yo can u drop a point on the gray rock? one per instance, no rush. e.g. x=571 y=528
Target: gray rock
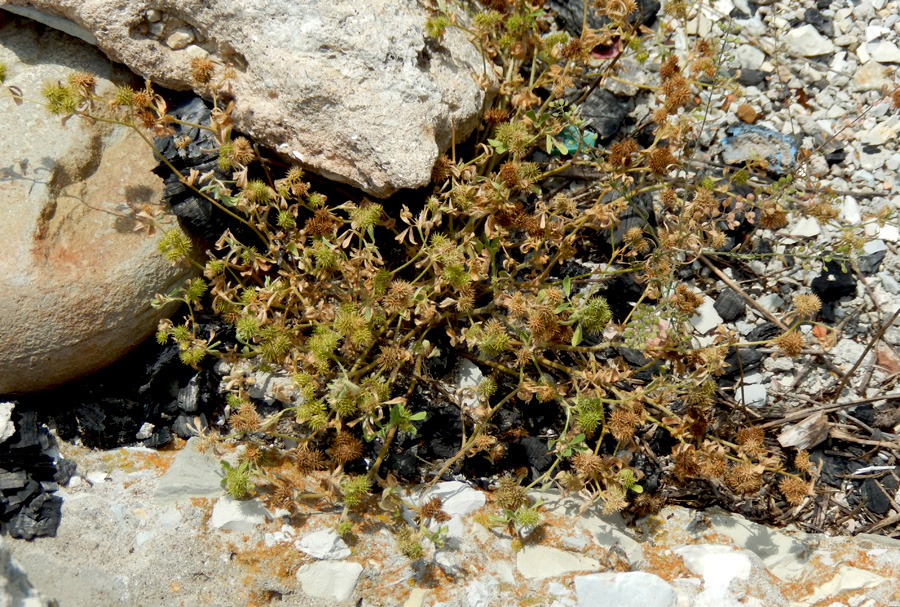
x=889 y=283
x=886 y=52
x=540 y=562
x=630 y=589
x=57 y=23
x=15 y=589
x=806 y=41
x=238 y=516
x=354 y=91
x=749 y=57
x=330 y=579
x=874 y=253
x=191 y=474
x=76 y=279
x=781 y=554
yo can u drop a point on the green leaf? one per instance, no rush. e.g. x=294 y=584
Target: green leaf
x=563 y=148
x=549 y=144
x=497 y=145
x=637 y=489
x=417 y=416
x=576 y=337
x=567 y=285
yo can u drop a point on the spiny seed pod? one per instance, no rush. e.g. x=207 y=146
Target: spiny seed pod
x=346 y=448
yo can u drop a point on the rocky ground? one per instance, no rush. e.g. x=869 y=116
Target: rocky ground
x=147 y=527
x=141 y=526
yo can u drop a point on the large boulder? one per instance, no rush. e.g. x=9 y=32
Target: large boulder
x=352 y=90
x=76 y=279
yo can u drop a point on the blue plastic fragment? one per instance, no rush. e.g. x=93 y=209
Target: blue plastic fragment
x=569 y=138
x=746 y=142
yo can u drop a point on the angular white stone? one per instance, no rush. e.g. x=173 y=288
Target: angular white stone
x=874 y=32
x=330 y=579
x=890 y=233
x=850 y=211
x=749 y=57
x=805 y=228
x=238 y=516
x=458 y=499
x=717 y=565
x=706 y=318
x=806 y=41
x=7 y=427
x=630 y=589
x=480 y=592
x=540 y=562
x=468 y=376
x=886 y=52
x=782 y=555
x=752 y=395
x=871 y=76
x=325 y=544
x=874 y=246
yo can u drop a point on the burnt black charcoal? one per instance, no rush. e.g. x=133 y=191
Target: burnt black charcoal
x=835 y=157
x=109 y=422
x=203 y=144
x=160 y=437
x=831 y=468
x=750 y=77
x=730 y=306
x=571 y=14
x=819 y=21
x=403 y=464
x=12 y=481
x=737 y=13
x=40 y=518
x=638 y=360
x=23 y=494
x=739 y=362
x=831 y=285
x=27 y=430
x=65 y=468
x=621 y=293
x=606 y=111
x=876 y=500
x=185 y=422
x=530 y=451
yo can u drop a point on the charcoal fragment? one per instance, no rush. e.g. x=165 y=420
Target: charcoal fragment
x=40 y=518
